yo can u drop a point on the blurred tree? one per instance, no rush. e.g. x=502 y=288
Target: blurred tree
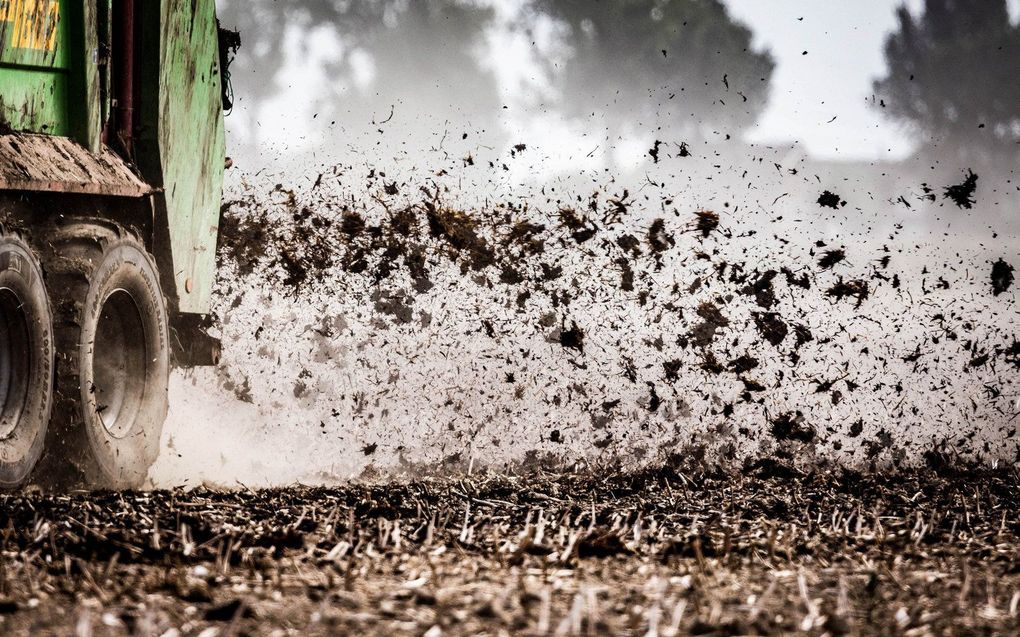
x=412 y=56
x=684 y=65
x=954 y=77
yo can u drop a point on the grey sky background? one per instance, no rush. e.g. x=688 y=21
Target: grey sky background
x=819 y=99
x=844 y=43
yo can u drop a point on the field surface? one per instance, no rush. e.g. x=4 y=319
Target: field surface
x=766 y=550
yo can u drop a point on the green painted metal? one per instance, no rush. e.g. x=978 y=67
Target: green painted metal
x=33 y=101
x=48 y=71
x=84 y=80
x=180 y=142
x=54 y=80
x=34 y=66
x=103 y=80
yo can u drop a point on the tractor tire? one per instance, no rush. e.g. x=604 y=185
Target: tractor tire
x=26 y=360
x=113 y=357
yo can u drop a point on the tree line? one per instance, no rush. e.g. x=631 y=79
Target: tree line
x=683 y=66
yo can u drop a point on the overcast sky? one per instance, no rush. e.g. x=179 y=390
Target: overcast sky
x=844 y=42
x=819 y=99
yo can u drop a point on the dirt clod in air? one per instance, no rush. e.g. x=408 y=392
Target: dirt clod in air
x=573 y=338
x=581 y=229
x=771 y=327
x=793 y=279
x=762 y=290
x=830 y=200
x=1002 y=277
x=460 y=231
x=654 y=151
x=963 y=194
x=658 y=239
x=830 y=258
x=712 y=321
x=396 y=304
x=791 y=426
x=849 y=289
x=705 y=222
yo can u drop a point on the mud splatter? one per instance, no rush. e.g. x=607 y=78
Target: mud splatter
x=858 y=290
x=963 y=194
x=1002 y=277
x=771 y=327
x=830 y=200
x=830 y=258
x=705 y=223
x=654 y=151
x=791 y=426
x=713 y=320
x=572 y=338
x=548 y=307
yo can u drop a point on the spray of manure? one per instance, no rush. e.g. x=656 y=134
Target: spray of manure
x=385 y=329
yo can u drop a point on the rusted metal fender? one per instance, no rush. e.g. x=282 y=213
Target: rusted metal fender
x=57 y=164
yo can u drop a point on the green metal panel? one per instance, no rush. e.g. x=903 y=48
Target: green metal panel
x=50 y=80
x=181 y=139
x=84 y=78
x=33 y=101
x=48 y=72
x=34 y=68
x=103 y=86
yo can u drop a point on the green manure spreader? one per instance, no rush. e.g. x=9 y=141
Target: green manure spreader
x=111 y=172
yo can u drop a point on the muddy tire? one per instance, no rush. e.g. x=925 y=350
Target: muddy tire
x=26 y=360
x=113 y=358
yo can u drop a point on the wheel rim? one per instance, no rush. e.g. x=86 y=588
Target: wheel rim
x=119 y=360
x=15 y=359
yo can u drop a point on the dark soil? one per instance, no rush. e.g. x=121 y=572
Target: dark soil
x=766 y=550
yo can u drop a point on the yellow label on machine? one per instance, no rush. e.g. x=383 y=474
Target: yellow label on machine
x=35 y=23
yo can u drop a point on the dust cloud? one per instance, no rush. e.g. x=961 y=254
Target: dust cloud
x=459 y=277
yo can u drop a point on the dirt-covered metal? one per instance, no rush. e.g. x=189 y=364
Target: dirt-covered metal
x=154 y=93
x=180 y=141
x=57 y=164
